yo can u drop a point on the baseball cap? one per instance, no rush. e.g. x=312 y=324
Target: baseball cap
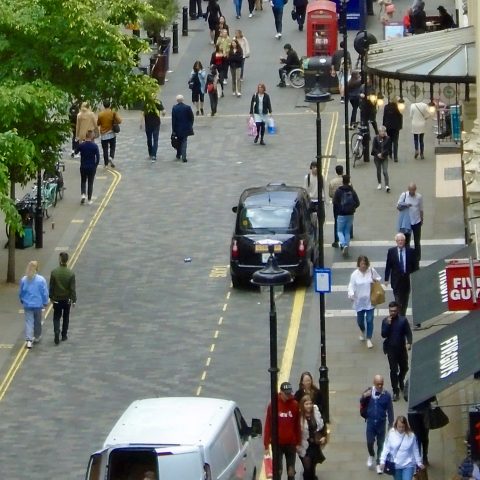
x=286 y=387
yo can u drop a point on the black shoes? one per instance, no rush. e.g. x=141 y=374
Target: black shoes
x=56 y=339
x=282 y=85
x=64 y=338
x=396 y=397
x=255 y=140
x=262 y=142
x=335 y=244
x=202 y=112
x=177 y=156
x=184 y=160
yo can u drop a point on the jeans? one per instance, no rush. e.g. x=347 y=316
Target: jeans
x=111 y=142
x=393 y=134
x=375 y=431
x=238 y=7
x=242 y=68
x=418 y=142
x=33 y=323
x=152 y=140
x=398 y=362
x=404 y=473
x=417 y=235
x=277 y=15
x=354 y=102
x=182 y=148
x=344 y=225
x=62 y=307
x=213 y=101
x=260 y=129
x=366 y=316
x=236 y=84
x=382 y=165
x=251 y=6
x=301 y=15
x=87 y=176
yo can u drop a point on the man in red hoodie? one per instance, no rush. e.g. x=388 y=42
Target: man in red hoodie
x=288 y=428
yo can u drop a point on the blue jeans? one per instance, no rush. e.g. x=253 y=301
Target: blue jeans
x=238 y=7
x=366 y=316
x=344 y=226
x=182 y=148
x=375 y=431
x=404 y=473
x=152 y=140
x=418 y=142
x=277 y=15
x=33 y=323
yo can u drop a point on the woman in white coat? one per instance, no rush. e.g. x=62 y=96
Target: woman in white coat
x=312 y=437
x=359 y=292
x=419 y=114
x=401 y=445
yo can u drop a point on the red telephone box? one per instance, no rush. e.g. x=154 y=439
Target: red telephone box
x=322 y=28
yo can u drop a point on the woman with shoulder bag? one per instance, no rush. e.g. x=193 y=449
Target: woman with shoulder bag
x=311 y=426
x=401 y=448
x=359 y=289
x=260 y=107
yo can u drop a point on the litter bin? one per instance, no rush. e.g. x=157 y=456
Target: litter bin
x=320 y=65
x=159 y=62
x=26 y=212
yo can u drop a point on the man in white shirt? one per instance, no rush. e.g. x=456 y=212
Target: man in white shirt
x=414 y=201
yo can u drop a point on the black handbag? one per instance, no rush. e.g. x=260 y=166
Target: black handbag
x=389 y=468
x=115 y=124
x=294 y=14
x=437 y=418
x=174 y=141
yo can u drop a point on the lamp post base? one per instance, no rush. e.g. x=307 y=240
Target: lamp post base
x=324 y=391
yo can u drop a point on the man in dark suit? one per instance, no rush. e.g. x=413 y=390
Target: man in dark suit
x=182 y=126
x=401 y=262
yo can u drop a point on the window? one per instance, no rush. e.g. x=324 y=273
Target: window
x=268 y=218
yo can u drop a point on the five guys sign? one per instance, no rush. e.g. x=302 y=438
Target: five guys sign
x=463 y=285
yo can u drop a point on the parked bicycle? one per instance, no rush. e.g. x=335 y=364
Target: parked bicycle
x=49 y=192
x=356 y=143
x=56 y=177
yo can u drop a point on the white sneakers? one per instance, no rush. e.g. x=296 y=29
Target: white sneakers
x=361 y=337
x=387 y=189
x=82 y=201
x=379 y=186
x=28 y=344
x=278 y=35
x=370 y=462
x=369 y=343
x=250 y=15
x=90 y=202
x=239 y=94
x=379 y=469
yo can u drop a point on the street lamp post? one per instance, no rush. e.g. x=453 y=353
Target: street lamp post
x=319 y=97
x=343 y=23
x=271 y=276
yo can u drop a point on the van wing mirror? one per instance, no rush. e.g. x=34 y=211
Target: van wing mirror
x=256 y=429
x=234 y=209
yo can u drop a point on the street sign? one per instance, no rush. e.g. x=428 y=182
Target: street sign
x=463 y=286
x=323 y=280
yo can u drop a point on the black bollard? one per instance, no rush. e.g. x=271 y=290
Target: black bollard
x=175 y=37
x=185 y=22
x=366 y=142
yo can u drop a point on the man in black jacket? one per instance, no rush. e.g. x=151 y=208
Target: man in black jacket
x=393 y=122
x=290 y=62
x=398 y=339
x=401 y=262
x=182 y=125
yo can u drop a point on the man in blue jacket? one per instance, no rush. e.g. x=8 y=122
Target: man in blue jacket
x=379 y=408
x=277 y=9
x=182 y=126
x=89 y=159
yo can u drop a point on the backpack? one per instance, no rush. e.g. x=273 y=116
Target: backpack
x=194 y=81
x=364 y=402
x=347 y=202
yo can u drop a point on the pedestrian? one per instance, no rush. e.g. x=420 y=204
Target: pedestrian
x=223 y=43
x=307 y=387
x=221 y=25
x=212 y=89
x=368 y=112
x=219 y=60
x=446 y=20
x=346 y=202
x=359 y=289
x=235 y=59
x=300 y=7
x=393 y=122
x=401 y=262
x=418 y=418
x=260 y=110
x=33 y=294
x=387 y=17
x=63 y=295
x=418 y=19
x=354 y=89
x=182 y=125
x=238 y=8
x=73 y=112
x=378 y=407
x=196 y=83
x=419 y=114
x=245 y=46
x=401 y=445
x=310 y=184
x=334 y=183
x=398 y=339
x=86 y=120
x=277 y=10
x=381 y=148
x=413 y=202
x=288 y=429
x=312 y=439
x=212 y=16
x=89 y=160
x=337 y=57
x=152 y=122
x=341 y=78
x=290 y=61
x=108 y=138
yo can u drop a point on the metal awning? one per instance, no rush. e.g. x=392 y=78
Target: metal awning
x=447 y=56
x=444 y=358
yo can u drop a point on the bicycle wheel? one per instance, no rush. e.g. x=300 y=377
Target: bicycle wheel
x=296 y=78
x=54 y=194
x=357 y=146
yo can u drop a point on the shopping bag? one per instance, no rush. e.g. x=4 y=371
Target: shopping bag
x=268 y=466
x=271 y=127
x=421 y=474
x=251 y=127
x=377 y=294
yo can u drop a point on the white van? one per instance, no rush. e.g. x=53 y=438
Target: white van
x=178 y=438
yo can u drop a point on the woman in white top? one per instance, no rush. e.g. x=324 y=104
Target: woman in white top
x=311 y=426
x=359 y=291
x=243 y=42
x=419 y=115
x=402 y=446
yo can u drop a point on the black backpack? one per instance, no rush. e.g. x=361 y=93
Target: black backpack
x=347 y=202
x=364 y=402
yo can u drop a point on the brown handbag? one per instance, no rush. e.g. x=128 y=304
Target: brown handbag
x=377 y=294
